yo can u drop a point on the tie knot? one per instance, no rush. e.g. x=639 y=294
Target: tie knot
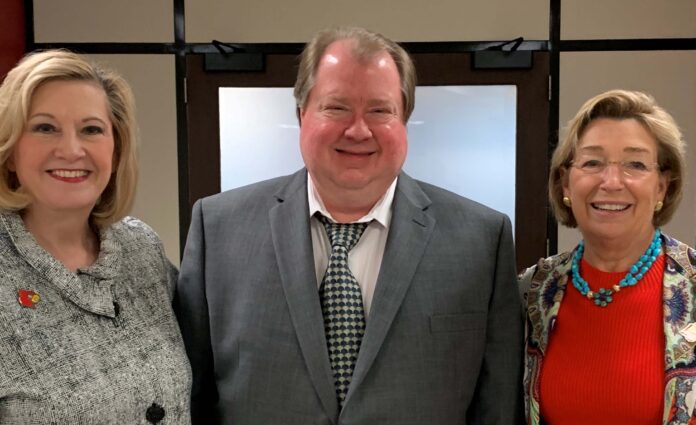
x=341 y=234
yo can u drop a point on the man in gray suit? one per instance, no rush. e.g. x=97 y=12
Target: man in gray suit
x=349 y=293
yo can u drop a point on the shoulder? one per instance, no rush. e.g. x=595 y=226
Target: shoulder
x=545 y=267
x=447 y=203
x=682 y=257
x=554 y=261
x=257 y=193
x=545 y=277
x=131 y=231
x=139 y=250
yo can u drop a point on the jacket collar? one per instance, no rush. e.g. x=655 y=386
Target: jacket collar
x=90 y=287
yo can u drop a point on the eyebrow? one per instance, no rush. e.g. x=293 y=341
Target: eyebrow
x=630 y=149
x=381 y=102
x=333 y=95
x=42 y=114
x=47 y=115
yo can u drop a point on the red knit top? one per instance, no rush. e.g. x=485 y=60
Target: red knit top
x=606 y=365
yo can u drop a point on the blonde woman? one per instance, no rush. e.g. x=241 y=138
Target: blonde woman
x=87 y=333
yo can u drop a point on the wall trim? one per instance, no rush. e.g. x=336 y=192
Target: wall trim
x=554 y=45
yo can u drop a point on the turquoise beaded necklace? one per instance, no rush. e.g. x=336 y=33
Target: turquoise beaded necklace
x=604 y=296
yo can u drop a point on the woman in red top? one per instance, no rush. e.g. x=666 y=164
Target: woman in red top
x=610 y=332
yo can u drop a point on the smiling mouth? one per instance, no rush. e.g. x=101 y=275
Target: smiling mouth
x=68 y=174
x=610 y=207
x=345 y=152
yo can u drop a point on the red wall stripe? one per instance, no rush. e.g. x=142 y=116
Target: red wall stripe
x=12 y=34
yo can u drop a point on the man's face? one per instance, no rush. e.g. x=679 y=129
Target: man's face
x=352 y=135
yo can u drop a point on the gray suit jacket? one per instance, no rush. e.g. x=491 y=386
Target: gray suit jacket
x=443 y=343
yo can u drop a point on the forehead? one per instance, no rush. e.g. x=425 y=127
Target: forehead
x=69 y=96
x=342 y=57
x=607 y=135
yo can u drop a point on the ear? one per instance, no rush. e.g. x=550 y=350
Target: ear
x=563 y=172
x=300 y=114
x=116 y=155
x=10 y=164
x=663 y=184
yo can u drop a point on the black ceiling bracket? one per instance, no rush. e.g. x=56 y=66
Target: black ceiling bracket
x=233 y=57
x=494 y=57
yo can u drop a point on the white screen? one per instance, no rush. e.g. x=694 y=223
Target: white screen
x=461 y=138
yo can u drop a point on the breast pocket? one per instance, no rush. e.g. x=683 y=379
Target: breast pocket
x=457 y=344
x=461 y=322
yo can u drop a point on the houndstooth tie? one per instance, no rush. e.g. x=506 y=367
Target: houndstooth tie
x=341 y=304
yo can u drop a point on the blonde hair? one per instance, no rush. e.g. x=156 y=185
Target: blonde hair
x=621 y=105
x=16 y=94
x=366 y=45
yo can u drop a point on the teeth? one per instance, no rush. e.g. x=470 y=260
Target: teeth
x=610 y=207
x=69 y=174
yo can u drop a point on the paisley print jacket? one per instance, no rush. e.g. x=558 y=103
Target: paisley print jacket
x=544 y=286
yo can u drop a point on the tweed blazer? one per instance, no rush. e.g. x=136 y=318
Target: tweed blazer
x=547 y=282
x=99 y=346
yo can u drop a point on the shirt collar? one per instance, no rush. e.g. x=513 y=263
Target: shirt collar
x=381 y=212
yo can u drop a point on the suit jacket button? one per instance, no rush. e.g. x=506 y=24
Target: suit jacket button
x=154 y=413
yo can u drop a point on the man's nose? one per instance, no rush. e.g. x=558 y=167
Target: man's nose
x=358 y=129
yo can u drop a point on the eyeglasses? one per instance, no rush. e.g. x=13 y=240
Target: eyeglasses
x=635 y=168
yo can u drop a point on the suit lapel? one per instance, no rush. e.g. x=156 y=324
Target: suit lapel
x=409 y=233
x=292 y=242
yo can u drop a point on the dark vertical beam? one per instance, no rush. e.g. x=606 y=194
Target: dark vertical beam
x=181 y=122
x=29 y=40
x=554 y=90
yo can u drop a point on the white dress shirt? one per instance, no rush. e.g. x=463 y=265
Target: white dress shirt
x=365 y=259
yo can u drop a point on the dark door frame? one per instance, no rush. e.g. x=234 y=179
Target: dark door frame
x=447 y=68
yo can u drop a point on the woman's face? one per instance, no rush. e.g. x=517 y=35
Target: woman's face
x=64 y=158
x=615 y=183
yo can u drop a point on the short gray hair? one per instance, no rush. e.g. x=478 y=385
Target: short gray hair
x=367 y=44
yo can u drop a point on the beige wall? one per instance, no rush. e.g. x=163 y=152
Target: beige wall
x=153 y=82
x=157 y=199
x=92 y=21
x=406 y=20
x=670 y=76
x=582 y=19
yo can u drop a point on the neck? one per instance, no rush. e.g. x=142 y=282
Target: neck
x=66 y=236
x=347 y=213
x=614 y=255
x=346 y=206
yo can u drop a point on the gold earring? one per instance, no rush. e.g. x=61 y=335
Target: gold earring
x=658 y=206
x=566 y=201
